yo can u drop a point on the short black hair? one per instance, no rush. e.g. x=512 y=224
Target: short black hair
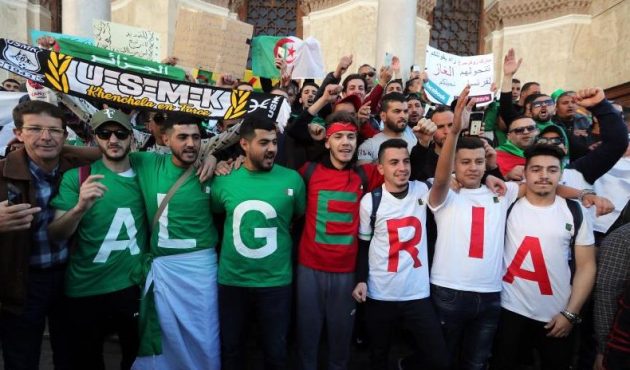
x=37 y=107
x=530 y=99
x=469 y=142
x=342 y=116
x=527 y=85
x=391 y=143
x=308 y=83
x=354 y=76
x=543 y=149
x=391 y=97
x=178 y=118
x=252 y=123
x=412 y=96
x=396 y=81
x=438 y=108
x=520 y=116
x=366 y=65
x=516 y=81
x=408 y=85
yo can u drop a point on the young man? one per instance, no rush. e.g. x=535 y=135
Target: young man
x=181 y=284
x=542 y=297
x=104 y=210
x=328 y=247
x=394 y=116
x=392 y=267
x=32 y=277
x=467 y=264
x=260 y=200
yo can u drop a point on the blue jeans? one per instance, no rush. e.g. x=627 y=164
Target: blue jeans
x=22 y=333
x=272 y=309
x=469 y=321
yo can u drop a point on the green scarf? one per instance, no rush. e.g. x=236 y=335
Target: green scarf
x=508 y=147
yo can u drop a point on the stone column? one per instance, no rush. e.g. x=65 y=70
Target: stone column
x=396 y=32
x=77 y=15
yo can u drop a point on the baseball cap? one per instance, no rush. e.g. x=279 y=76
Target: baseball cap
x=110 y=115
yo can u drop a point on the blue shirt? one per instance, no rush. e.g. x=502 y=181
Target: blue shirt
x=45 y=253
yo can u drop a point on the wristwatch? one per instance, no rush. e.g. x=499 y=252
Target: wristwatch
x=585 y=192
x=574 y=318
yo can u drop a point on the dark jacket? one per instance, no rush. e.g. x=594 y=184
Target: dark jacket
x=15 y=246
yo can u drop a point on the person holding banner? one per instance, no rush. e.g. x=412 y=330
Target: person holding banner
x=179 y=309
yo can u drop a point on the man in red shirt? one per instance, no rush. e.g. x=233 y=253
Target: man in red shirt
x=510 y=157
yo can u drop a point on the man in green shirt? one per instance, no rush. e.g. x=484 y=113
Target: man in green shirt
x=101 y=206
x=181 y=282
x=260 y=200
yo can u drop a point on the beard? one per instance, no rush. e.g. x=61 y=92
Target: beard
x=394 y=127
x=179 y=155
x=118 y=158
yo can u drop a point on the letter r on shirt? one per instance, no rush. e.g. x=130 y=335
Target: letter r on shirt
x=394 y=228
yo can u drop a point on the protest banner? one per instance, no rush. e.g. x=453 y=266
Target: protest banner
x=77 y=77
x=126 y=39
x=211 y=42
x=36 y=34
x=449 y=73
x=123 y=61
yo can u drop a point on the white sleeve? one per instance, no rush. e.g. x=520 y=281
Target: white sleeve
x=365 y=211
x=449 y=199
x=366 y=152
x=512 y=191
x=585 y=235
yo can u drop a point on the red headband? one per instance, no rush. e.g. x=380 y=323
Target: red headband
x=335 y=127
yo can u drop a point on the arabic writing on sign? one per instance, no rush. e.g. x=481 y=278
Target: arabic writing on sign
x=449 y=73
x=127 y=40
x=120 y=61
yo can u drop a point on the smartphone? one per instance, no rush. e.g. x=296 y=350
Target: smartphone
x=415 y=68
x=388 y=59
x=476 y=120
x=428 y=108
x=14 y=194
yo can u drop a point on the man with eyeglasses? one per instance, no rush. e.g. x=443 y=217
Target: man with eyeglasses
x=102 y=207
x=510 y=155
x=33 y=266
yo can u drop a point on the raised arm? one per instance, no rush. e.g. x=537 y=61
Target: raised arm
x=506 y=107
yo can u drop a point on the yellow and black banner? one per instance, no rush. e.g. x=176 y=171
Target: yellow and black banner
x=93 y=81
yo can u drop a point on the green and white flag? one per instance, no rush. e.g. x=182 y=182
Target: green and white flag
x=303 y=58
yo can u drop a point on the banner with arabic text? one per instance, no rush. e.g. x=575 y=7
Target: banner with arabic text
x=449 y=73
x=93 y=81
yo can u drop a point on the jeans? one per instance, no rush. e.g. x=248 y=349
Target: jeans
x=94 y=317
x=517 y=335
x=272 y=308
x=22 y=334
x=469 y=322
x=417 y=316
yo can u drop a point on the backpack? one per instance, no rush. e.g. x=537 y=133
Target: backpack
x=578 y=217
x=377 y=194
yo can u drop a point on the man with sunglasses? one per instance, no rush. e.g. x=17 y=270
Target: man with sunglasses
x=510 y=155
x=103 y=209
x=33 y=268
x=368 y=73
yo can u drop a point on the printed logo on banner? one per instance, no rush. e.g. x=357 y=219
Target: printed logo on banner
x=58 y=65
x=23 y=57
x=238 y=101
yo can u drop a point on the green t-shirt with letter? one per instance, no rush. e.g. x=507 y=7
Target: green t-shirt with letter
x=186 y=224
x=260 y=205
x=110 y=237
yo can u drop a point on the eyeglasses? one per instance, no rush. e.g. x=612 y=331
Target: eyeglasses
x=549 y=140
x=106 y=134
x=538 y=104
x=369 y=74
x=37 y=131
x=522 y=130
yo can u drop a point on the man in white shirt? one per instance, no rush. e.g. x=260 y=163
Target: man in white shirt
x=542 y=297
x=392 y=266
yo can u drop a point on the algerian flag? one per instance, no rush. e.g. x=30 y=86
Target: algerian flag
x=303 y=57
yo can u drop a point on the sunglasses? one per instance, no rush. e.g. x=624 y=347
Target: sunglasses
x=522 y=130
x=369 y=74
x=538 y=104
x=550 y=140
x=106 y=134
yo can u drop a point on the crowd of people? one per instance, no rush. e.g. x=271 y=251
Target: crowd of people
x=373 y=213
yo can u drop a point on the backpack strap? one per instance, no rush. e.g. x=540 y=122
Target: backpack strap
x=578 y=217
x=427 y=183
x=310 y=168
x=84 y=173
x=365 y=182
x=377 y=194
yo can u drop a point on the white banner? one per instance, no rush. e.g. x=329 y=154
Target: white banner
x=449 y=73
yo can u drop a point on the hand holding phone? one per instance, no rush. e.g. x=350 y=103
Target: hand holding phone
x=476 y=121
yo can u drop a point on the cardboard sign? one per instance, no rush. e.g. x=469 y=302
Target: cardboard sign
x=126 y=39
x=211 y=42
x=449 y=73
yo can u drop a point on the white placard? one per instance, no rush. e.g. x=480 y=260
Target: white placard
x=126 y=39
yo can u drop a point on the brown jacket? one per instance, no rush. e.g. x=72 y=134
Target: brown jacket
x=15 y=246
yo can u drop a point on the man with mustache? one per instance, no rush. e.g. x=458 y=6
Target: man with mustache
x=394 y=115
x=542 y=297
x=182 y=280
x=576 y=125
x=260 y=200
x=101 y=205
